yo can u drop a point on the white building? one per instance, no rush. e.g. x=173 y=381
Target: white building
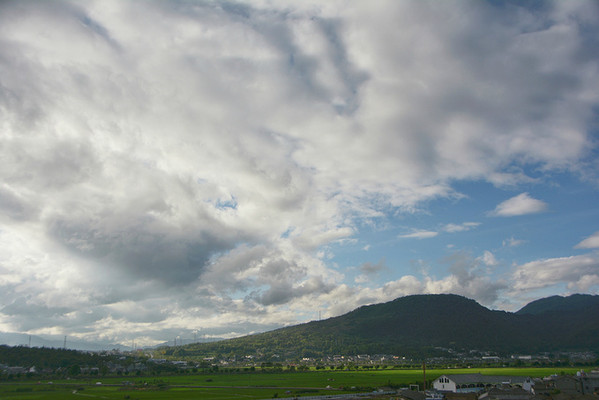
x=461 y=383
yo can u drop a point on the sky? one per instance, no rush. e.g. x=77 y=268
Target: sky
x=178 y=169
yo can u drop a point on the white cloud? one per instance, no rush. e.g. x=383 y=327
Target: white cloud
x=466 y=226
x=489 y=259
x=449 y=228
x=420 y=234
x=198 y=158
x=592 y=242
x=512 y=242
x=519 y=205
x=575 y=271
x=464 y=278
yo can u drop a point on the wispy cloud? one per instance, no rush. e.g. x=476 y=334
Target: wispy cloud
x=419 y=234
x=512 y=242
x=369 y=270
x=466 y=226
x=448 y=228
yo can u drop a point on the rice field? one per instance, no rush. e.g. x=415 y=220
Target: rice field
x=250 y=386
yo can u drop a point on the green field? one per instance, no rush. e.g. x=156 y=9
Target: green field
x=257 y=385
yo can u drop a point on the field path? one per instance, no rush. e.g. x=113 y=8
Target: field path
x=88 y=395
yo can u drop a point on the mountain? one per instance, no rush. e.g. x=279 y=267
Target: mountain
x=183 y=341
x=572 y=320
x=573 y=303
x=57 y=342
x=416 y=325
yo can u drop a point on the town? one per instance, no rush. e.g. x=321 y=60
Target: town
x=454 y=377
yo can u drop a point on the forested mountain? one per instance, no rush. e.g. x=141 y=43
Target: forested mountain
x=416 y=325
x=553 y=304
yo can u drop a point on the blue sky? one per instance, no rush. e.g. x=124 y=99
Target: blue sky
x=184 y=168
x=423 y=243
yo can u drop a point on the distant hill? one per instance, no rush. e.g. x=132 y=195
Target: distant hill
x=57 y=342
x=183 y=341
x=566 y=322
x=573 y=303
x=416 y=325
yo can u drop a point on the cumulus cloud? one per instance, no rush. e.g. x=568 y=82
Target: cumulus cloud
x=577 y=272
x=467 y=278
x=519 y=205
x=592 y=242
x=464 y=277
x=489 y=259
x=196 y=158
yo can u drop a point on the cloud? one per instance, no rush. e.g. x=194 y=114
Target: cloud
x=464 y=278
x=467 y=279
x=198 y=158
x=466 y=226
x=420 y=234
x=369 y=270
x=519 y=205
x=578 y=272
x=449 y=228
x=512 y=242
x=489 y=259
x=592 y=242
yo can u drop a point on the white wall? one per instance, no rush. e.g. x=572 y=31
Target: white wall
x=444 y=384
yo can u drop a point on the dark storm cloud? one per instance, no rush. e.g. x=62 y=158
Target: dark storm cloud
x=141 y=247
x=282 y=292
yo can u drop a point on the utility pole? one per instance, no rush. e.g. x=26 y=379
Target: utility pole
x=424 y=376
x=65 y=342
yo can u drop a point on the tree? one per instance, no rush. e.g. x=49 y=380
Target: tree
x=74 y=370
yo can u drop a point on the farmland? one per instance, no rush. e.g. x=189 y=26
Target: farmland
x=249 y=385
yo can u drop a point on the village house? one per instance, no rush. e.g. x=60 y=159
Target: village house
x=506 y=393
x=408 y=394
x=590 y=382
x=462 y=383
x=460 y=396
x=558 y=383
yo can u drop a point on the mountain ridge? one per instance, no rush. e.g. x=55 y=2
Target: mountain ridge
x=559 y=304
x=419 y=324
x=23 y=339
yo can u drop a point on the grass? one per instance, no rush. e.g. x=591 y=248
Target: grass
x=248 y=386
